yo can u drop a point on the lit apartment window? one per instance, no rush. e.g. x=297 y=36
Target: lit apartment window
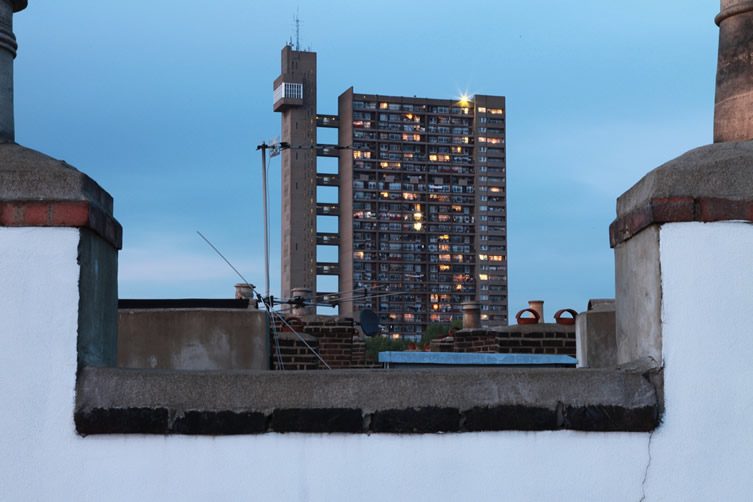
x=481 y=109
x=496 y=111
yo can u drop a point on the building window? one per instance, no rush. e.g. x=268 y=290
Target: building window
x=288 y=90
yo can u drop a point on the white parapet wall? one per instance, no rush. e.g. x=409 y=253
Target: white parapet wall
x=702 y=451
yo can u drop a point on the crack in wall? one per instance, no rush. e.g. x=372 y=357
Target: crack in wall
x=648 y=466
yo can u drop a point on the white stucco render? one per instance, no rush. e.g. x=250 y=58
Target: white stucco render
x=703 y=451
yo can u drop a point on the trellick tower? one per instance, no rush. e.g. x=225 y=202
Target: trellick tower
x=295 y=98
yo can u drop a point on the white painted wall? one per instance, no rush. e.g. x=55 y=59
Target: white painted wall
x=705 y=447
x=704 y=451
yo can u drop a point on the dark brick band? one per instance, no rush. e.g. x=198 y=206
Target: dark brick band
x=354 y=421
x=62 y=213
x=678 y=209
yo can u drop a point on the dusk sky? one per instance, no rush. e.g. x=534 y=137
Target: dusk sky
x=163 y=104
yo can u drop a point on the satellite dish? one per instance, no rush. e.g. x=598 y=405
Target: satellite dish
x=369 y=322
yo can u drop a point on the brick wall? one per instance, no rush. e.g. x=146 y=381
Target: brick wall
x=541 y=338
x=537 y=342
x=475 y=340
x=294 y=353
x=340 y=344
x=446 y=344
x=337 y=341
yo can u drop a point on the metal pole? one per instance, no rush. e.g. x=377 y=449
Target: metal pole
x=263 y=148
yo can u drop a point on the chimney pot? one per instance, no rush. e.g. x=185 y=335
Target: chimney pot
x=733 y=108
x=538 y=306
x=471 y=315
x=307 y=295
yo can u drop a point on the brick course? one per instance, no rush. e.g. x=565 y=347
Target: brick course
x=62 y=213
x=661 y=210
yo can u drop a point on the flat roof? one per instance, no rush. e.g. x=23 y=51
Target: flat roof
x=475 y=359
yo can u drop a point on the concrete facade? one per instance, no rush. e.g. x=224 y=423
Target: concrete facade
x=423 y=208
x=295 y=98
x=193 y=339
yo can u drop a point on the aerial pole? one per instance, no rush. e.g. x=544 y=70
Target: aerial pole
x=297 y=31
x=263 y=147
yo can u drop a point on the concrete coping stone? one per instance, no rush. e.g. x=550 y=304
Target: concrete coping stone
x=39 y=191
x=706 y=184
x=123 y=401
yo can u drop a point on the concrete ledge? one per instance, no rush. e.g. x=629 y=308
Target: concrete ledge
x=39 y=191
x=710 y=183
x=123 y=401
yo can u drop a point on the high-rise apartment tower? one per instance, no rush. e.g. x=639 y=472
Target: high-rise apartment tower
x=422 y=203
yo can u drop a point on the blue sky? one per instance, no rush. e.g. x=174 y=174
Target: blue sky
x=164 y=102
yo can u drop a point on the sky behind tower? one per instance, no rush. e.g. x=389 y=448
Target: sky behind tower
x=163 y=103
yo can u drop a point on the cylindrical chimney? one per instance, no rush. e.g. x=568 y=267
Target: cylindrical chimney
x=471 y=315
x=245 y=291
x=538 y=306
x=307 y=296
x=8 y=48
x=733 y=109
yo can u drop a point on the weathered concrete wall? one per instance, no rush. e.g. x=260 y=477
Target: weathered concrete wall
x=638 y=297
x=98 y=302
x=193 y=339
x=595 y=332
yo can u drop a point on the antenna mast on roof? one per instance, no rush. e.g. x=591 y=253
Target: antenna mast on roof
x=297 y=31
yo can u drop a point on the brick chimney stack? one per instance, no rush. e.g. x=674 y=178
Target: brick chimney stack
x=733 y=111
x=8 y=48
